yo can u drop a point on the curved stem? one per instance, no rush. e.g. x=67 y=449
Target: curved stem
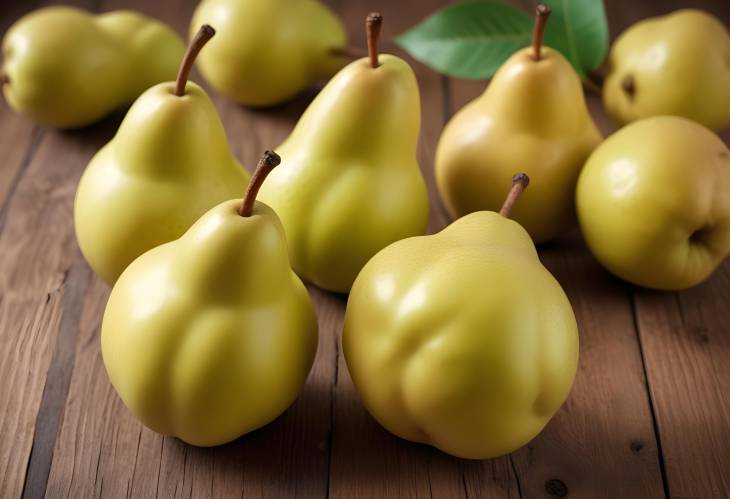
x=519 y=184
x=205 y=33
x=373 y=23
x=268 y=162
x=542 y=12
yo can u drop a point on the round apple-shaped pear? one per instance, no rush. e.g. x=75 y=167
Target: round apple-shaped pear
x=654 y=202
x=462 y=339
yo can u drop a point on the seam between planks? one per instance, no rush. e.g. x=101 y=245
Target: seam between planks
x=58 y=381
x=30 y=151
x=647 y=384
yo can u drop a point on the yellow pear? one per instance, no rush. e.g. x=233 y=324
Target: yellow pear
x=654 y=202
x=66 y=68
x=462 y=340
x=212 y=336
x=268 y=51
x=168 y=164
x=677 y=64
x=533 y=114
x=350 y=184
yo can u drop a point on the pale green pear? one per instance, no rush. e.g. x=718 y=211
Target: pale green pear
x=349 y=183
x=66 y=68
x=169 y=163
x=267 y=51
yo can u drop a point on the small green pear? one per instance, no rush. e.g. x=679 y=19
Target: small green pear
x=462 y=340
x=268 y=51
x=654 y=202
x=67 y=68
x=350 y=184
x=168 y=164
x=532 y=114
x=212 y=335
x=677 y=64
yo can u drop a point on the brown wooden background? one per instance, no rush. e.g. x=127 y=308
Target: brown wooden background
x=649 y=415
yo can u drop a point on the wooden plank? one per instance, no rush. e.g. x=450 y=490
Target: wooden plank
x=367 y=461
x=103 y=451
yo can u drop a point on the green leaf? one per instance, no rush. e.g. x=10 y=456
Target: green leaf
x=579 y=30
x=469 y=40
x=474 y=38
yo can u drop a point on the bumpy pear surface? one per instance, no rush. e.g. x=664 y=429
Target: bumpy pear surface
x=350 y=184
x=533 y=114
x=677 y=64
x=461 y=340
x=66 y=68
x=268 y=51
x=211 y=336
x=167 y=165
x=654 y=202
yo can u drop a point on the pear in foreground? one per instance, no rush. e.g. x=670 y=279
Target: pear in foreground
x=168 y=164
x=66 y=68
x=268 y=51
x=462 y=340
x=350 y=184
x=533 y=114
x=677 y=64
x=654 y=203
x=211 y=336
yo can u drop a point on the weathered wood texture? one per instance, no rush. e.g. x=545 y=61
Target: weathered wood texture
x=649 y=415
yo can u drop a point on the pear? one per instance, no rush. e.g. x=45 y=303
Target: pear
x=268 y=51
x=168 y=163
x=654 y=203
x=212 y=335
x=677 y=64
x=67 y=68
x=532 y=114
x=462 y=340
x=350 y=184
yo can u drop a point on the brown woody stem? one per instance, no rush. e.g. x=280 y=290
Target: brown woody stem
x=542 y=12
x=373 y=23
x=268 y=162
x=519 y=184
x=205 y=33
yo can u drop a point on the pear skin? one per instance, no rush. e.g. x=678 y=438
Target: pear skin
x=267 y=51
x=654 y=203
x=461 y=340
x=532 y=115
x=67 y=68
x=212 y=335
x=168 y=163
x=349 y=183
x=677 y=64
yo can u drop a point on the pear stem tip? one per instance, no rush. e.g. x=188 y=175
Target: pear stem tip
x=519 y=183
x=268 y=162
x=542 y=12
x=373 y=23
x=205 y=33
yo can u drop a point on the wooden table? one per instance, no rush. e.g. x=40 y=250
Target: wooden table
x=649 y=415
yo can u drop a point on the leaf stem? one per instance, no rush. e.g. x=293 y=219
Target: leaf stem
x=205 y=33
x=519 y=183
x=542 y=12
x=268 y=162
x=373 y=23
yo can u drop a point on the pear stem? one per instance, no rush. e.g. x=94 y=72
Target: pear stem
x=519 y=184
x=373 y=23
x=542 y=12
x=268 y=162
x=205 y=33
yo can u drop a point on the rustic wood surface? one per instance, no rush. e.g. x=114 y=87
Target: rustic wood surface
x=649 y=415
